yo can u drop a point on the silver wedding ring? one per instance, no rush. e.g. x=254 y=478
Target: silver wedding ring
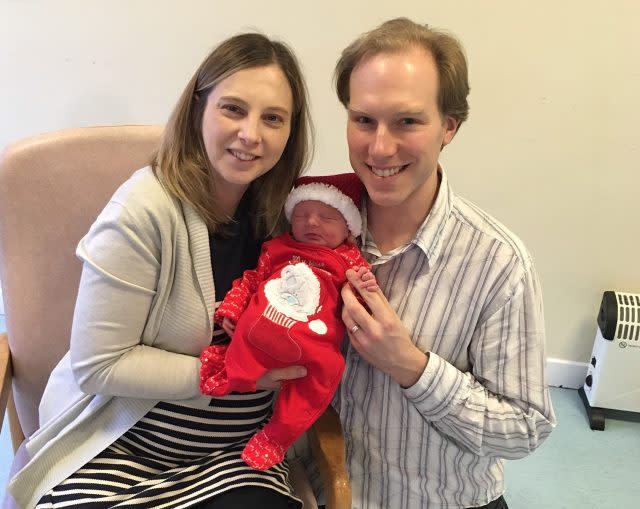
x=354 y=329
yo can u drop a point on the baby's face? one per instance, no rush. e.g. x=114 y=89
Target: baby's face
x=315 y=222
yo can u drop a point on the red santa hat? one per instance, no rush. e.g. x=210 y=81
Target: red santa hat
x=342 y=192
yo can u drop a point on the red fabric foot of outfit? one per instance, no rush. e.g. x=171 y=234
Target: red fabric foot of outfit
x=261 y=452
x=213 y=375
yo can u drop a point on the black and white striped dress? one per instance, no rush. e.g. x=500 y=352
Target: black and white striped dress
x=173 y=457
x=178 y=456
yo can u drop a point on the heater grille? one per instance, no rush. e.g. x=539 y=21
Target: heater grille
x=628 y=326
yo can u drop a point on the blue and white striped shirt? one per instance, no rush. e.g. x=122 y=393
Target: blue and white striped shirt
x=466 y=289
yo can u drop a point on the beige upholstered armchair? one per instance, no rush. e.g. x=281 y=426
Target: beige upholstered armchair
x=51 y=189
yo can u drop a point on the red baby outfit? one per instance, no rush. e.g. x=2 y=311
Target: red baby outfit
x=287 y=312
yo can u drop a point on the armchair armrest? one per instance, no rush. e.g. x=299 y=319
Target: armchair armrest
x=7 y=405
x=327 y=444
x=5 y=374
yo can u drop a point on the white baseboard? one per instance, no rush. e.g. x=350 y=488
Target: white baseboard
x=568 y=374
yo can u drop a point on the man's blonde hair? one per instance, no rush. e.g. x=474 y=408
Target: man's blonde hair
x=401 y=34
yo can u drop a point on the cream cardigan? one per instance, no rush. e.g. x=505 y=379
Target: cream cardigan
x=143 y=315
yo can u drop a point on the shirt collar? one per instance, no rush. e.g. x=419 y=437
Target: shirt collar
x=428 y=237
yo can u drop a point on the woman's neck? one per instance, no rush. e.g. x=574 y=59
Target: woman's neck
x=229 y=199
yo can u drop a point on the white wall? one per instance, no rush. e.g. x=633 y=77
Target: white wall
x=551 y=147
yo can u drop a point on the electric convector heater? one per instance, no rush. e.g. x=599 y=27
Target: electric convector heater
x=613 y=375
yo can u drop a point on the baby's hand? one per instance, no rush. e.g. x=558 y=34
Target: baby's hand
x=367 y=279
x=228 y=326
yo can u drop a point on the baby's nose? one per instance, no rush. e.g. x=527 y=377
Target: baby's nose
x=313 y=219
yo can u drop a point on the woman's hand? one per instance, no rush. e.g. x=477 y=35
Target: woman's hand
x=228 y=325
x=380 y=336
x=271 y=380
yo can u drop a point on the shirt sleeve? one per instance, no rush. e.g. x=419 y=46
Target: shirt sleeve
x=237 y=298
x=502 y=407
x=351 y=253
x=121 y=257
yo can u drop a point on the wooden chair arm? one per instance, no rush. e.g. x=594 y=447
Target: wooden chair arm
x=5 y=374
x=7 y=406
x=327 y=444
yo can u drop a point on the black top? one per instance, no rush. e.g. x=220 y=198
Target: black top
x=232 y=252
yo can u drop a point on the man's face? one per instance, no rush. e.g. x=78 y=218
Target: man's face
x=394 y=130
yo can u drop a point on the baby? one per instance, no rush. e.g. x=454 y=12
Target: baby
x=288 y=312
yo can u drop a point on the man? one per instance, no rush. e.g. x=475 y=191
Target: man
x=445 y=375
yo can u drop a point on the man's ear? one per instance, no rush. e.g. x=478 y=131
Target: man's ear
x=450 y=129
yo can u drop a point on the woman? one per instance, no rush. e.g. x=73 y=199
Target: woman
x=122 y=419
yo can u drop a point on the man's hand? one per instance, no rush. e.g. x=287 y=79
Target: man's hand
x=272 y=380
x=380 y=338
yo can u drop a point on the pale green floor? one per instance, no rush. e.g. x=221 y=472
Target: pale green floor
x=575 y=468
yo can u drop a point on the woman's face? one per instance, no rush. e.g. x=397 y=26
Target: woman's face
x=245 y=128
